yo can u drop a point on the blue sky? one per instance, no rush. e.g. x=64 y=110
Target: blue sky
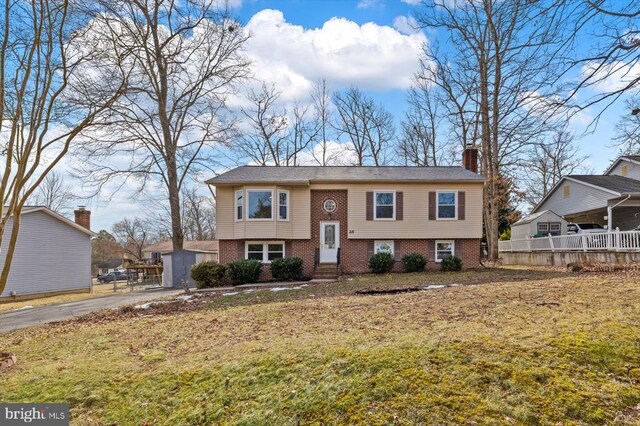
x=350 y=42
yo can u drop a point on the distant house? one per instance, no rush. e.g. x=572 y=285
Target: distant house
x=611 y=200
x=545 y=222
x=336 y=218
x=52 y=255
x=110 y=265
x=208 y=248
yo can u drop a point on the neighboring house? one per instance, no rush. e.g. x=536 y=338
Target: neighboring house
x=154 y=252
x=52 y=255
x=343 y=215
x=542 y=223
x=611 y=200
x=110 y=265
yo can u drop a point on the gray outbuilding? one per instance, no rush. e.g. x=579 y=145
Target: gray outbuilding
x=543 y=223
x=177 y=266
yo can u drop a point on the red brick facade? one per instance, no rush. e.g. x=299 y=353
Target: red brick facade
x=354 y=253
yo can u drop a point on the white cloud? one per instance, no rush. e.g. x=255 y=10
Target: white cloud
x=406 y=25
x=611 y=77
x=371 y=56
x=412 y=2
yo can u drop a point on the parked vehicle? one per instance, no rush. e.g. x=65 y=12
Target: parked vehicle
x=112 y=276
x=584 y=228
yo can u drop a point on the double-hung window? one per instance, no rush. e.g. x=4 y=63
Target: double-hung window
x=447 y=205
x=384 y=208
x=264 y=251
x=239 y=205
x=259 y=204
x=444 y=249
x=283 y=205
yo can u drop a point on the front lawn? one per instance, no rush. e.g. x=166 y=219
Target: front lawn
x=508 y=346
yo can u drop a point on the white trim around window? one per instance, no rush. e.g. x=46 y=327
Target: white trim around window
x=450 y=251
x=238 y=205
x=384 y=246
x=375 y=205
x=269 y=250
x=455 y=205
x=286 y=205
x=247 y=202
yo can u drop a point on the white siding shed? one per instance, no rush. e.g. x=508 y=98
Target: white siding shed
x=544 y=222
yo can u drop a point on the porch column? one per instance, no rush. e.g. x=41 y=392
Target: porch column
x=609 y=218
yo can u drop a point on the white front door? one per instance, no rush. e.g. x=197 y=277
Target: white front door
x=329 y=241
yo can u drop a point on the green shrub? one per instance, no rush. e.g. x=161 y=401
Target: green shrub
x=207 y=274
x=287 y=268
x=451 y=263
x=244 y=271
x=381 y=263
x=414 y=262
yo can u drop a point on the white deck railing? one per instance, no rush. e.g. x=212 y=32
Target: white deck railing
x=607 y=241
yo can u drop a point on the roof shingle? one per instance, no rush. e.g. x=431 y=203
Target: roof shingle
x=620 y=184
x=306 y=174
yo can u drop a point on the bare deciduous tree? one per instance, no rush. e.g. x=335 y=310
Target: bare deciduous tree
x=186 y=57
x=420 y=143
x=273 y=135
x=627 y=137
x=54 y=193
x=321 y=97
x=367 y=124
x=40 y=119
x=508 y=50
x=132 y=235
x=199 y=216
x=548 y=162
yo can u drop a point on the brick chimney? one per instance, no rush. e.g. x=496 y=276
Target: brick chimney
x=83 y=217
x=470 y=158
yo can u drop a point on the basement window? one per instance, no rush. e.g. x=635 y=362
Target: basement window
x=264 y=251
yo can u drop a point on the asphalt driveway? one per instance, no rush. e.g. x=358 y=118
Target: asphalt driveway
x=22 y=318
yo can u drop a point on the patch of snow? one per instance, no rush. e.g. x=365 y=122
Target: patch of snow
x=285 y=288
x=150 y=304
x=24 y=307
x=233 y=293
x=434 y=287
x=184 y=298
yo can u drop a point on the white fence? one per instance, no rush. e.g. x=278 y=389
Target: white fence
x=607 y=241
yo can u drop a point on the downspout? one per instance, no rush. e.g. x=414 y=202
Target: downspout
x=610 y=212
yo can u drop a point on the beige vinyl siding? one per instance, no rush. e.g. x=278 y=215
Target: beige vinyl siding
x=633 y=170
x=224 y=213
x=416 y=223
x=297 y=227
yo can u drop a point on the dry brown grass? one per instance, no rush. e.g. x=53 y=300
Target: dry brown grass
x=532 y=349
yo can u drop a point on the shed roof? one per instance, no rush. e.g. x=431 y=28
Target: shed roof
x=533 y=217
x=303 y=175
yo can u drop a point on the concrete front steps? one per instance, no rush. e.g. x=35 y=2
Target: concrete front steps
x=326 y=271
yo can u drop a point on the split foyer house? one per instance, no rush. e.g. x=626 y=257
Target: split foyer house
x=341 y=216
x=611 y=199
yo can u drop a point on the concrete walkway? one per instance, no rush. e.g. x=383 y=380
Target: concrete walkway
x=22 y=318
